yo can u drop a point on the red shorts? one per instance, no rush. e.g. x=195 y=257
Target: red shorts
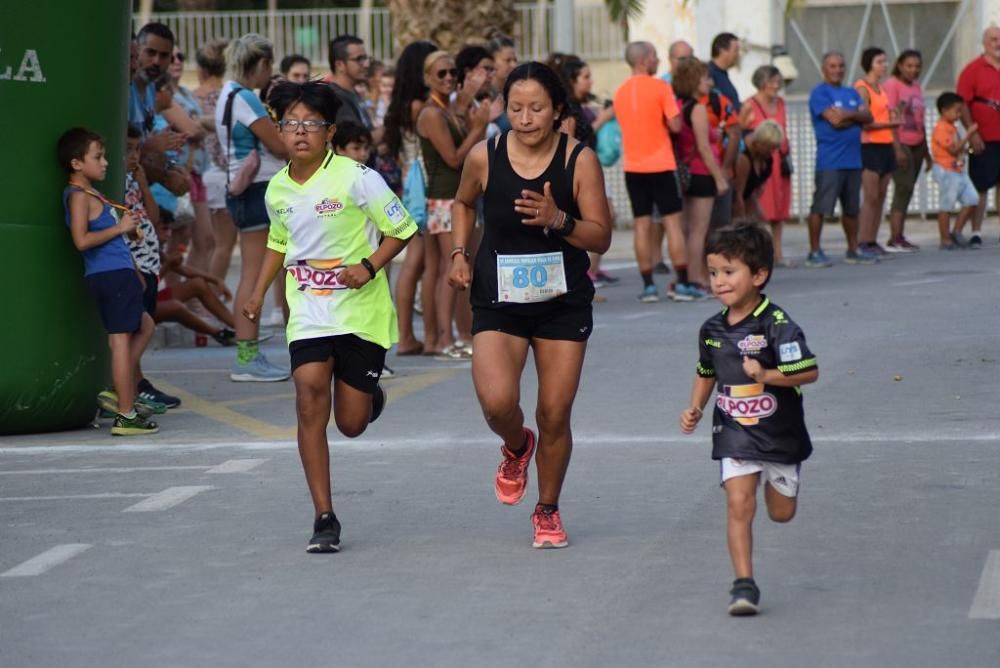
x=198 y=192
x=165 y=295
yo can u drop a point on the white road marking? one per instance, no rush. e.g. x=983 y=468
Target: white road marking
x=644 y=314
x=919 y=281
x=117 y=469
x=236 y=466
x=46 y=560
x=439 y=440
x=167 y=499
x=986 y=604
x=74 y=497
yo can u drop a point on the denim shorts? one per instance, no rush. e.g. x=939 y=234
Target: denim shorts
x=248 y=210
x=955 y=189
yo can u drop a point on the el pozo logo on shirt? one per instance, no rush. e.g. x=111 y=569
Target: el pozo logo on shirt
x=752 y=344
x=329 y=207
x=318 y=277
x=747 y=404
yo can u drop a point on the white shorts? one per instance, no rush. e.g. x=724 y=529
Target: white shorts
x=784 y=478
x=215 y=187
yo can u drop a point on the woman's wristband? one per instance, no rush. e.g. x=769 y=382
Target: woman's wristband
x=369 y=266
x=567 y=227
x=459 y=249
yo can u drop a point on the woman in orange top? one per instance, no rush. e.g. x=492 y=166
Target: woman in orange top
x=878 y=155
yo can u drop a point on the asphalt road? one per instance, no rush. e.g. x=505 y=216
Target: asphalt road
x=187 y=548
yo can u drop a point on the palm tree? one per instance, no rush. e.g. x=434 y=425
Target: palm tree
x=449 y=23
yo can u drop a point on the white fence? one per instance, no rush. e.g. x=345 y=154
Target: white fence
x=309 y=31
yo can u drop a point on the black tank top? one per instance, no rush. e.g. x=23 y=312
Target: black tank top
x=505 y=234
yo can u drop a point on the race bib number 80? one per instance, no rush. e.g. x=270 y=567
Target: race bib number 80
x=525 y=279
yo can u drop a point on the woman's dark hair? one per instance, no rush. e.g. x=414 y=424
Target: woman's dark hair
x=74 y=144
x=907 y=53
x=498 y=42
x=547 y=79
x=316 y=95
x=349 y=131
x=133 y=132
x=408 y=86
x=568 y=66
x=868 y=57
x=468 y=59
x=290 y=61
x=749 y=243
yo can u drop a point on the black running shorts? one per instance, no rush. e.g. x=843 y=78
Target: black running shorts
x=357 y=362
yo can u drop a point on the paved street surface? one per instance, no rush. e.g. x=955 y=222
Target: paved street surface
x=187 y=548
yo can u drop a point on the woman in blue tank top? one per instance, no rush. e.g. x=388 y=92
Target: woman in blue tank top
x=544 y=209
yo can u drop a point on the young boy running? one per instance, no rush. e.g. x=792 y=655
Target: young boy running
x=955 y=186
x=325 y=211
x=110 y=274
x=758 y=358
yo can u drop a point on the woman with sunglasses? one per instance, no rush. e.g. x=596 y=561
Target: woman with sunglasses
x=445 y=141
x=544 y=209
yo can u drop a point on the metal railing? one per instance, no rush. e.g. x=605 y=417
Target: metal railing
x=309 y=31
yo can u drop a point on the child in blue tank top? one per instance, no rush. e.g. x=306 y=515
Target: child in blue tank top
x=109 y=272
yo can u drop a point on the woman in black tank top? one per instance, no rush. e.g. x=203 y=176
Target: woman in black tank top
x=753 y=168
x=544 y=209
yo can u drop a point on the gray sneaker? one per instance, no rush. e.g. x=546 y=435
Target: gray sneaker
x=745 y=597
x=959 y=239
x=260 y=370
x=860 y=256
x=818 y=259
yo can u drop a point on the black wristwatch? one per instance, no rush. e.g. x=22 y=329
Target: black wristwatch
x=369 y=266
x=569 y=223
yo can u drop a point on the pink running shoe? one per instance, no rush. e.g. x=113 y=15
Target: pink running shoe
x=512 y=474
x=549 y=531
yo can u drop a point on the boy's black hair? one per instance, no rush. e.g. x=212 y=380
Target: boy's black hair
x=74 y=144
x=349 y=131
x=290 y=61
x=748 y=242
x=132 y=132
x=316 y=95
x=948 y=100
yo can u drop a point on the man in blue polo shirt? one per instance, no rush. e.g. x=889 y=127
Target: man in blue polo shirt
x=837 y=114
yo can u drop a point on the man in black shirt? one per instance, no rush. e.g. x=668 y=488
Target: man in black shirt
x=349 y=67
x=758 y=358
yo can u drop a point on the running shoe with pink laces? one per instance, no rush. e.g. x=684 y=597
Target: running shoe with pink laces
x=512 y=474
x=549 y=532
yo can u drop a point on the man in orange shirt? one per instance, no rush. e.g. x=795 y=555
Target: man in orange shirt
x=647 y=113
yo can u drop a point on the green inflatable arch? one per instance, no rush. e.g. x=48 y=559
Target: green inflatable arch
x=62 y=64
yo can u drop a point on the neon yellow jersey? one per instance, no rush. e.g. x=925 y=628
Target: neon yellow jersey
x=324 y=225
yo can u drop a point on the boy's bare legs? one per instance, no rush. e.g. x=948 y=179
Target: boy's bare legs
x=943 y=219
x=963 y=217
x=122 y=376
x=741 y=504
x=780 y=508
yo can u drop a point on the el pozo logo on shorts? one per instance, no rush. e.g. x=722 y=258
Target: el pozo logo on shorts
x=747 y=404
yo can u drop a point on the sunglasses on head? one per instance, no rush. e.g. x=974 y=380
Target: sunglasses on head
x=441 y=74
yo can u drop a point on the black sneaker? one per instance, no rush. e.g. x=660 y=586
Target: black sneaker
x=975 y=241
x=133 y=426
x=225 y=337
x=326 y=534
x=150 y=393
x=745 y=597
x=378 y=403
